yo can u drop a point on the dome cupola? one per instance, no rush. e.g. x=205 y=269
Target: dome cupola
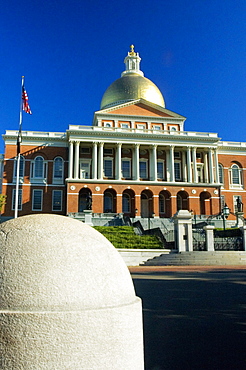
x=132 y=85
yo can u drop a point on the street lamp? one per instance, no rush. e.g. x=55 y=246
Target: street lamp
x=225 y=214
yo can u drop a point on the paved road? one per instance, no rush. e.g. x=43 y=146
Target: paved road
x=193 y=319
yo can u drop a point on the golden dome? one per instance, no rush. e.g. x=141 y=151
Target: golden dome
x=132 y=85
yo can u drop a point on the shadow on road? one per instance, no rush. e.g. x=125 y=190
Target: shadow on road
x=193 y=320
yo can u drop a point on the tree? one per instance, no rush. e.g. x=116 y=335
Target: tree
x=2 y=203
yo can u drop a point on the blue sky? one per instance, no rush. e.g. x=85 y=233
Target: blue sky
x=71 y=51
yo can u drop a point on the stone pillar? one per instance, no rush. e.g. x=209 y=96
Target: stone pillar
x=243 y=229
x=118 y=162
x=172 y=175
x=88 y=217
x=206 y=178
x=70 y=165
x=136 y=162
x=94 y=161
x=60 y=307
x=183 y=231
x=194 y=165
x=211 y=167
x=209 y=230
x=100 y=161
x=167 y=166
x=76 y=160
x=216 y=166
x=153 y=165
x=189 y=169
x=184 y=166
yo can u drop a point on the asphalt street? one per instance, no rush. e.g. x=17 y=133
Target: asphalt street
x=193 y=319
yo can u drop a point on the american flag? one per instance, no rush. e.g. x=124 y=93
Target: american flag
x=25 y=105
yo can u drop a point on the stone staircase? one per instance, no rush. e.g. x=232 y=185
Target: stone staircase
x=218 y=258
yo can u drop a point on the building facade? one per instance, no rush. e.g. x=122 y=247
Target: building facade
x=136 y=158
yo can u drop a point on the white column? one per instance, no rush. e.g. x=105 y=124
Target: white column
x=211 y=167
x=216 y=165
x=189 y=169
x=70 y=164
x=167 y=165
x=76 y=160
x=94 y=161
x=194 y=164
x=184 y=166
x=153 y=164
x=171 y=159
x=136 y=162
x=100 y=161
x=118 y=162
x=206 y=167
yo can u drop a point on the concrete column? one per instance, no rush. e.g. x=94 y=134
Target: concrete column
x=209 y=230
x=70 y=164
x=194 y=165
x=189 y=169
x=216 y=166
x=206 y=179
x=76 y=160
x=118 y=162
x=183 y=231
x=171 y=158
x=94 y=161
x=153 y=163
x=136 y=162
x=184 y=166
x=167 y=165
x=211 y=167
x=100 y=161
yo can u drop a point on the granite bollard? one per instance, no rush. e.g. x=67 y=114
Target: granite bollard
x=67 y=300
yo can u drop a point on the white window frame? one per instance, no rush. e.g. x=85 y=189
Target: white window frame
x=58 y=180
x=107 y=124
x=200 y=172
x=41 y=202
x=234 y=185
x=124 y=125
x=128 y=160
x=22 y=170
x=156 y=128
x=173 y=129
x=143 y=160
x=82 y=171
x=160 y=161
x=109 y=159
x=141 y=126
x=19 y=199
x=180 y=172
x=221 y=173
x=54 y=202
x=39 y=179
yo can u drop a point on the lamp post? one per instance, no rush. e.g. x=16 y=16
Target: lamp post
x=225 y=213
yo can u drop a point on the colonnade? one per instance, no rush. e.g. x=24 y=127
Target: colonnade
x=210 y=165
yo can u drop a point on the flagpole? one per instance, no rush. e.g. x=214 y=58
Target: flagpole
x=18 y=154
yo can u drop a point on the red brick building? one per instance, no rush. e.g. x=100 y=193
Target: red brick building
x=135 y=159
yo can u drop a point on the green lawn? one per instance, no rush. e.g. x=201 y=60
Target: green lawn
x=124 y=237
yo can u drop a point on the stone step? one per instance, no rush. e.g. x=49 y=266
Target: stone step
x=199 y=258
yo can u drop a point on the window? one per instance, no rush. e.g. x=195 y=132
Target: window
x=107 y=124
x=198 y=155
x=57 y=200
x=160 y=169
x=172 y=128
x=176 y=155
x=37 y=200
x=161 y=203
x=143 y=169
x=19 y=199
x=21 y=168
x=108 y=151
x=141 y=127
x=157 y=128
x=236 y=176
x=126 y=168
x=85 y=150
x=177 y=170
x=126 y=203
x=58 y=170
x=124 y=125
x=221 y=174
x=200 y=172
x=38 y=169
x=108 y=202
x=85 y=169
x=108 y=167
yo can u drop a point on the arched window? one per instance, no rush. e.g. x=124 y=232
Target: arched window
x=38 y=169
x=21 y=168
x=58 y=170
x=161 y=203
x=108 y=202
x=126 y=203
x=236 y=176
x=221 y=174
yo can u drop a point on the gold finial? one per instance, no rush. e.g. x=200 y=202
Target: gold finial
x=132 y=52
